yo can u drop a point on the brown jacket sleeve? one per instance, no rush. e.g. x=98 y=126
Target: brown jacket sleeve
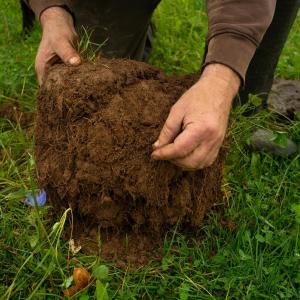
x=38 y=6
x=235 y=29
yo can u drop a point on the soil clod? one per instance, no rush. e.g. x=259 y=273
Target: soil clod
x=95 y=128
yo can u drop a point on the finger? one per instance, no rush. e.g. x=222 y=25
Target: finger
x=187 y=141
x=201 y=158
x=44 y=59
x=39 y=69
x=42 y=64
x=170 y=129
x=67 y=53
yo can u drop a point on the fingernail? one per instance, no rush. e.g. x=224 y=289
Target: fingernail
x=156 y=144
x=74 y=60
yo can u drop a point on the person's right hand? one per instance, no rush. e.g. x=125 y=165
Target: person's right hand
x=57 y=41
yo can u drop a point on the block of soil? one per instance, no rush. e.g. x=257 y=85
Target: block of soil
x=95 y=128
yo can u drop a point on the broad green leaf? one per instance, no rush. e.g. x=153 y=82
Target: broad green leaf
x=260 y=238
x=101 y=272
x=184 y=291
x=101 y=292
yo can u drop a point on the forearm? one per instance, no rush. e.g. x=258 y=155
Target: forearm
x=223 y=76
x=236 y=28
x=55 y=15
x=38 y=6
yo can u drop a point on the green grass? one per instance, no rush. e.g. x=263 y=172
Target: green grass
x=258 y=259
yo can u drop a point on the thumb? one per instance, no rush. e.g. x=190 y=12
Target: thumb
x=170 y=130
x=68 y=54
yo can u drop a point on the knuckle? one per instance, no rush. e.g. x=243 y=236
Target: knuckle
x=168 y=127
x=197 y=134
x=211 y=128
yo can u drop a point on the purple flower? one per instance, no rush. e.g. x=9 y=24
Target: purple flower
x=39 y=197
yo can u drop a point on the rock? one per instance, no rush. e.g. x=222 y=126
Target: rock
x=285 y=97
x=263 y=139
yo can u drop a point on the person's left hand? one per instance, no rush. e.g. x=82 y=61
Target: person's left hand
x=196 y=126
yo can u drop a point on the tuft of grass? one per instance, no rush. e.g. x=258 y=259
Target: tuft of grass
x=249 y=246
x=85 y=47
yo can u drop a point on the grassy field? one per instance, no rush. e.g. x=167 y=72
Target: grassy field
x=250 y=251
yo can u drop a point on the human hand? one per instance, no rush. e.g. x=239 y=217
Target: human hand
x=57 y=40
x=196 y=126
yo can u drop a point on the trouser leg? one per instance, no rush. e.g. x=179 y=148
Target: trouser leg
x=27 y=17
x=123 y=25
x=260 y=74
x=149 y=42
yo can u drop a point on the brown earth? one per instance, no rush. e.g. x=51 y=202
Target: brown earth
x=12 y=112
x=95 y=128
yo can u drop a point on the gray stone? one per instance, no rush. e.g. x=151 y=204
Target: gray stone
x=263 y=139
x=285 y=97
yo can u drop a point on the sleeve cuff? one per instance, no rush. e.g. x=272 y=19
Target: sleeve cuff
x=231 y=50
x=38 y=6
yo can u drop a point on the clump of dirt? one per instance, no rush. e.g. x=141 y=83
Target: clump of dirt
x=95 y=128
x=12 y=112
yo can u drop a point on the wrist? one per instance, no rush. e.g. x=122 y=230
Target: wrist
x=55 y=13
x=222 y=76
